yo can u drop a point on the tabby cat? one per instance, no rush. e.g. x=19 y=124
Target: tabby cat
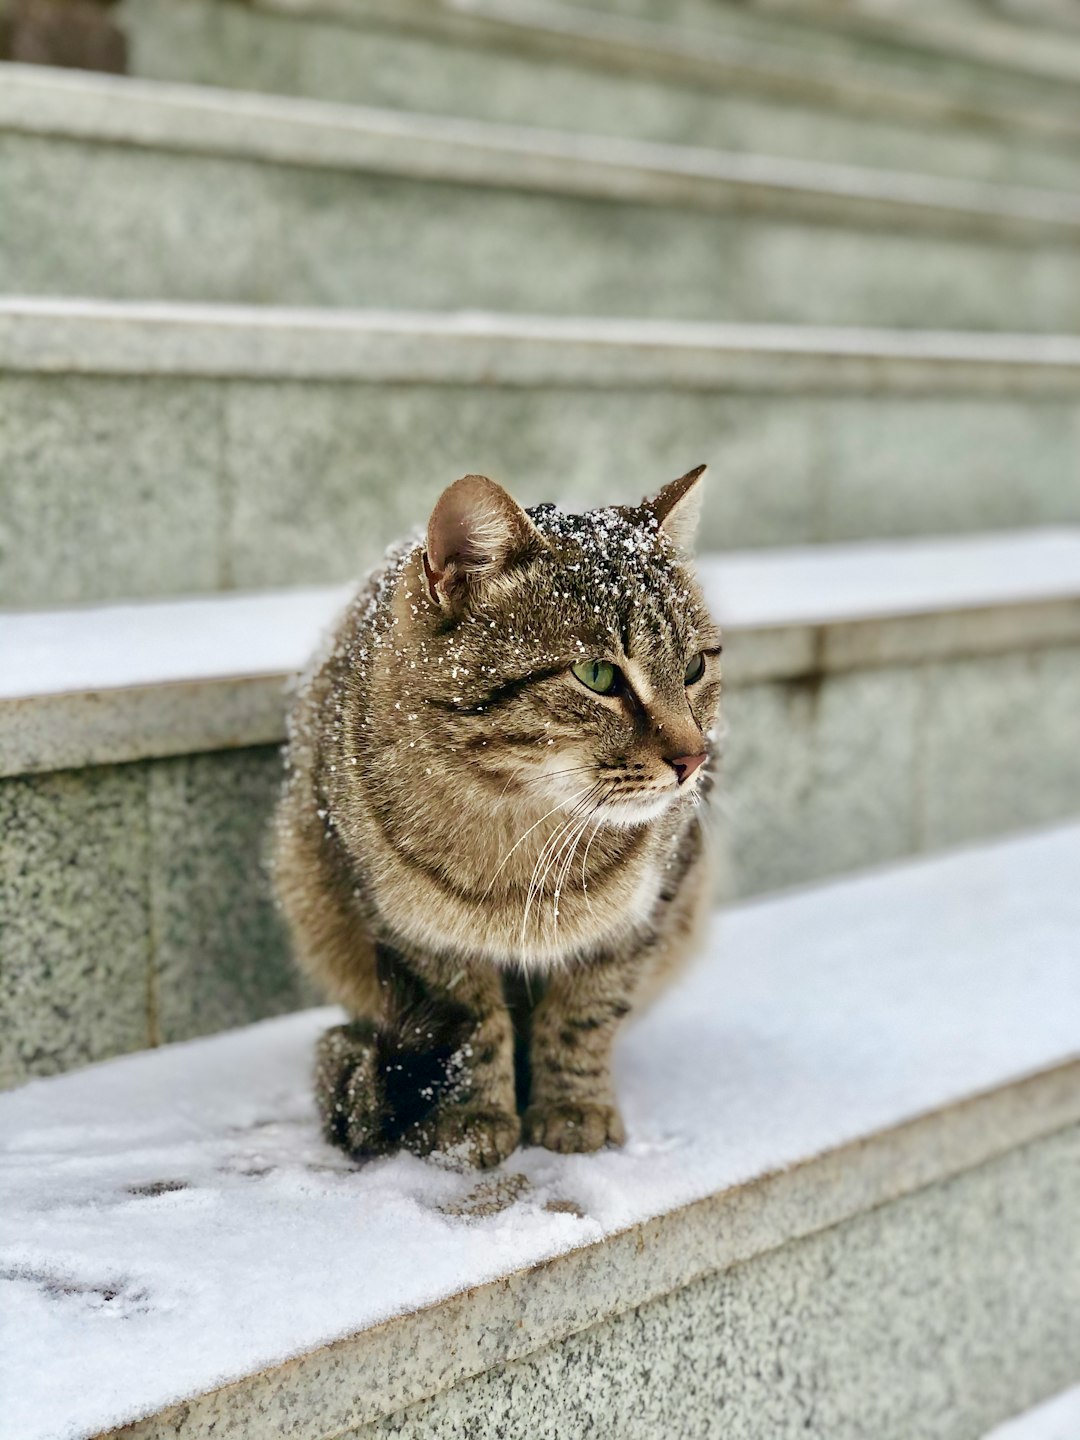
x=488 y=848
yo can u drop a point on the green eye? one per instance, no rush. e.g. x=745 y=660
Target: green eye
x=597 y=675
x=694 y=670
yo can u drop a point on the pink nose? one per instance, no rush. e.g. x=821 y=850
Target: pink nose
x=685 y=765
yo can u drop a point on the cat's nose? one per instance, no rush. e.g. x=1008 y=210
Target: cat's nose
x=685 y=765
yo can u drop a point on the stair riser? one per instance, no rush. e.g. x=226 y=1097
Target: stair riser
x=164 y=928
x=122 y=486
x=957 y=46
x=142 y=223
x=492 y=73
x=928 y=1347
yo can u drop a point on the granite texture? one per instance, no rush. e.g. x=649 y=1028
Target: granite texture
x=926 y=466
x=364 y=465
x=937 y=1315
x=96 y=219
x=821 y=774
x=74 y=907
x=139 y=222
x=981 y=768
x=221 y=956
x=982 y=51
x=136 y=908
x=612 y=80
x=136 y=486
x=914 y=1100
x=108 y=488
x=817 y=776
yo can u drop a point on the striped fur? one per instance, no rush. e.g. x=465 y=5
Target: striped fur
x=488 y=864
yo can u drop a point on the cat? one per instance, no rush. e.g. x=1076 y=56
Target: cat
x=488 y=846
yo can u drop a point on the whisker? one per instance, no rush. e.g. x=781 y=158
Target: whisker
x=563 y=870
x=528 y=832
x=545 y=775
x=588 y=847
x=547 y=853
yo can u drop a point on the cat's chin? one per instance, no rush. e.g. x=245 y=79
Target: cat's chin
x=628 y=812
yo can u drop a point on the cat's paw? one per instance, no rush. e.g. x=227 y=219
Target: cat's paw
x=479 y=1138
x=573 y=1128
x=348 y=1089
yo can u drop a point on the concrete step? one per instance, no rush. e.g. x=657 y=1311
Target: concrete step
x=154 y=450
x=138 y=190
x=544 y=63
x=882 y=700
x=1001 y=46
x=1055 y=1419
x=847 y=1184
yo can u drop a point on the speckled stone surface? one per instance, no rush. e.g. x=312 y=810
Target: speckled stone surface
x=364 y=464
x=817 y=776
x=977 y=771
x=187 y=485
x=136 y=908
x=927 y=466
x=74 y=934
x=221 y=956
x=611 y=79
x=927 y=36
x=108 y=488
x=935 y=1316
x=851 y=1045
x=278 y=207
x=820 y=776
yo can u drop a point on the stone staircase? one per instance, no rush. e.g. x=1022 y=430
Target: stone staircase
x=247 y=333
x=846 y=1207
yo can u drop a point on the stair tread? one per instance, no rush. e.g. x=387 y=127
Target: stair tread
x=102 y=683
x=158 y=114
x=812 y=1060
x=230 y=636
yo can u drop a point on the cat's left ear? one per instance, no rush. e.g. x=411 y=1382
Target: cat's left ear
x=475 y=530
x=677 y=508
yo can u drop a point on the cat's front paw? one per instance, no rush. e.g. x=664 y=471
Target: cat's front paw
x=480 y=1138
x=573 y=1128
x=348 y=1089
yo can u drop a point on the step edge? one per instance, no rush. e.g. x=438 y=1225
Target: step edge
x=74 y=106
x=208 y=703
x=512 y=1317
x=667 y=54
x=69 y=336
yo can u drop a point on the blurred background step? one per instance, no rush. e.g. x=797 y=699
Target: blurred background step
x=1033 y=38
x=882 y=700
x=857 y=1081
x=133 y=189
x=553 y=65
x=169 y=449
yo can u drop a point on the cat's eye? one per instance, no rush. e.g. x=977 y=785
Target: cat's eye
x=598 y=675
x=694 y=670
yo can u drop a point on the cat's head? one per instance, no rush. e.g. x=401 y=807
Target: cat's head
x=568 y=659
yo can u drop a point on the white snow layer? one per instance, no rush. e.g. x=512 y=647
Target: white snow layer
x=1056 y=1419
x=172 y=1220
x=212 y=637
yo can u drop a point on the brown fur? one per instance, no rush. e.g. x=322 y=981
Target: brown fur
x=488 y=864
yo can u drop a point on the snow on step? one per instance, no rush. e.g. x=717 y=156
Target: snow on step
x=1056 y=1419
x=107 y=683
x=173 y=1221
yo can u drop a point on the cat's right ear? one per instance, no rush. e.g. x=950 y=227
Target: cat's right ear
x=475 y=530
